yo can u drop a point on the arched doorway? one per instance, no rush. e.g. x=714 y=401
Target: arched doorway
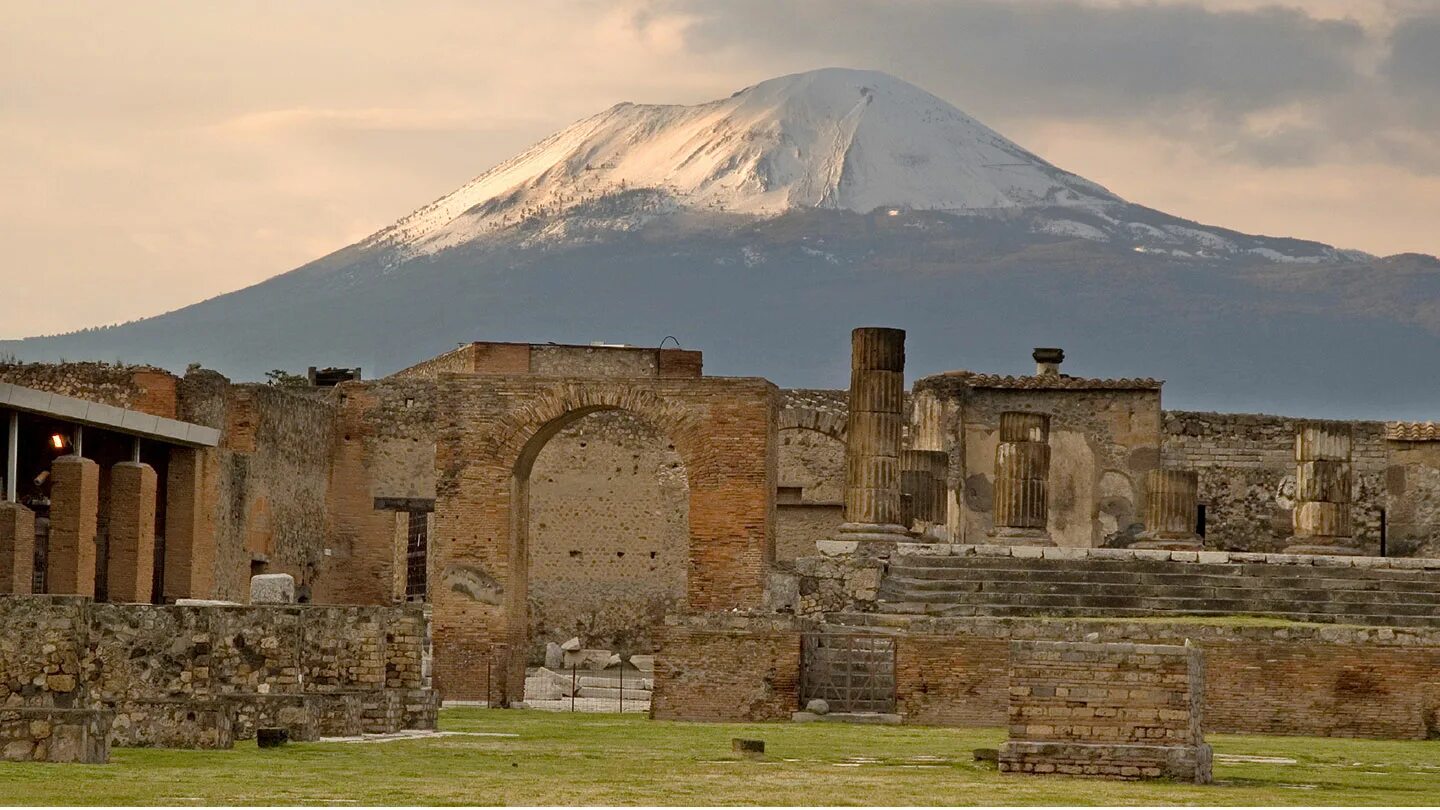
x=723 y=431
x=608 y=537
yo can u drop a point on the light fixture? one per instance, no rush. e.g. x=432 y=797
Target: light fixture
x=59 y=441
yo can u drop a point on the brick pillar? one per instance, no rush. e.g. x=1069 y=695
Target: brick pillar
x=17 y=548
x=1323 y=481
x=74 y=507
x=189 y=534
x=131 y=568
x=1170 y=498
x=872 y=443
x=1022 y=470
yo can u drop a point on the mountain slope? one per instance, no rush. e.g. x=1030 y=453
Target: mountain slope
x=762 y=227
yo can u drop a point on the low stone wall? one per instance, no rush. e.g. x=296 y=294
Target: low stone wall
x=1320 y=680
x=172 y=724
x=54 y=735
x=1127 y=711
x=727 y=667
x=199 y=676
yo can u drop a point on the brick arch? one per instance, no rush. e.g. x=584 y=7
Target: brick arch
x=830 y=424
x=724 y=431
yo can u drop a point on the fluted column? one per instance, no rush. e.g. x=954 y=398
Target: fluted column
x=1022 y=468
x=1170 y=500
x=922 y=477
x=1323 y=483
x=872 y=443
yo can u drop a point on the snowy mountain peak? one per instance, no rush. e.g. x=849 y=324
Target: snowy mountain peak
x=834 y=138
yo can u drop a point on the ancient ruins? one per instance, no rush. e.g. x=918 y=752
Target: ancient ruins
x=187 y=560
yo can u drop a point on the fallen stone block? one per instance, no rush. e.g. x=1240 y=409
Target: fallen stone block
x=272 y=589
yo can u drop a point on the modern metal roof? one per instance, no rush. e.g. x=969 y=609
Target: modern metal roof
x=109 y=417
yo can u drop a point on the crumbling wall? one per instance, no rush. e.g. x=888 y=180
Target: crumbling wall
x=1412 y=499
x=384 y=447
x=1246 y=467
x=609 y=534
x=141 y=388
x=727 y=668
x=1102 y=442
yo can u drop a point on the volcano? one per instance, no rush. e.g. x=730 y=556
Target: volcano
x=763 y=226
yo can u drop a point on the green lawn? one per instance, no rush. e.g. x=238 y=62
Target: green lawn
x=609 y=759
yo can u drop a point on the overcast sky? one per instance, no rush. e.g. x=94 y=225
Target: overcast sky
x=159 y=153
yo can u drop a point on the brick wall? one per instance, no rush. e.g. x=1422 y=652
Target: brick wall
x=609 y=534
x=731 y=669
x=1297 y=679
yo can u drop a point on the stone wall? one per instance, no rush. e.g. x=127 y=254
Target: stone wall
x=1246 y=464
x=810 y=502
x=1130 y=711
x=140 y=388
x=177 y=675
x=1412 y=499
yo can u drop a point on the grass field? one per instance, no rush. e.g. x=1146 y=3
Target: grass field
x=610 y=759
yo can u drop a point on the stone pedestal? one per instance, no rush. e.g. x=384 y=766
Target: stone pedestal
x=1067 y=717
x=1022 y=468
x=1323 y=486
x=131 y=566
x=17 y=548
x=74 y=505
x=872 y=445
x=1170 y=498
x=272 y=589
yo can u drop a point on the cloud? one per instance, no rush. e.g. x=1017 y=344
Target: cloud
x=1211 y=74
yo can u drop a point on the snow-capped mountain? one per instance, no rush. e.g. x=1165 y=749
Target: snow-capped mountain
x=852 y=140
x=763 y=226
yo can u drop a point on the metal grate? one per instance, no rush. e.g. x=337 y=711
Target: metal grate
x=415 y=552
x=850 y=671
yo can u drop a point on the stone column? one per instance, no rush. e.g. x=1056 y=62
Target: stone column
x=130 y=573
x=189 y=534
x=872 y=444
x=17 y=548
x=1170 y=498
x=74 y=508
x=1022 y=467
x=1323 y=482
x=922 y=477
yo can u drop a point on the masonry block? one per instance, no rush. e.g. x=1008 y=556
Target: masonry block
x=74 y=505
x=17 y=548
x=131 y=565
x=1067 y=715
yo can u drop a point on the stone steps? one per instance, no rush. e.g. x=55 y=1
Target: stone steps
x=1000 y=586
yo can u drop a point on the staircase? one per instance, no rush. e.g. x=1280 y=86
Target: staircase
x=941 y=586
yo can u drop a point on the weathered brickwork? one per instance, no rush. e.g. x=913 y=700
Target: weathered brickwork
x=1127 y=711
x=131 y=556
x=609 y=534
x=17 y=548
x=723 y=430
x=1293 y=679
x=75 y=504
x=724 y=668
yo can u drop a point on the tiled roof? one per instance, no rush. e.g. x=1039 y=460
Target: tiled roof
x=1055 y=382
x=1412 y=431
